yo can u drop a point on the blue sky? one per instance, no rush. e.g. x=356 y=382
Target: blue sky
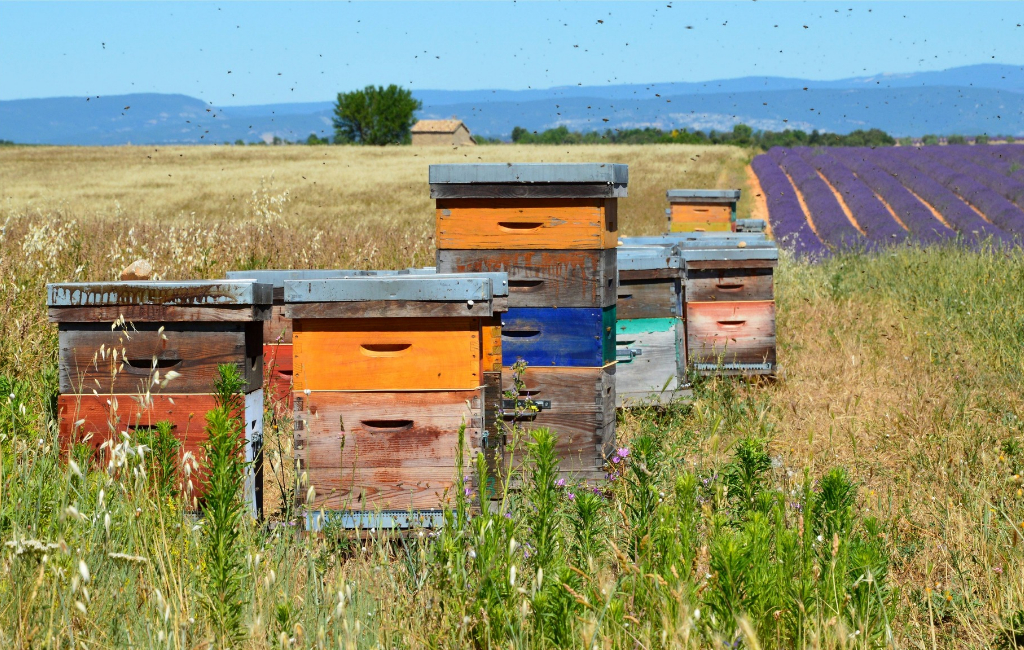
x=235 y=53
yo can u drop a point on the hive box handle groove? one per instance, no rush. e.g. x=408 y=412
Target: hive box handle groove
x=731 y=323
x=386 y=426
x=524 y=286
x=136 y=366
x=729 y=287
x=518 y=226
x=147 y=427
x=384 y=349
x=520 y=334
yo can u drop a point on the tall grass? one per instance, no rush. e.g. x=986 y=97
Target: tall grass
x=869 y=497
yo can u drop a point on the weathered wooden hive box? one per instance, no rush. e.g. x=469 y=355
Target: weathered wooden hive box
x=277 y=331
x=729 y=307
x=553 y=228
x=702 y=210
x=133 y=354
x=387 y=369
x=650 y=337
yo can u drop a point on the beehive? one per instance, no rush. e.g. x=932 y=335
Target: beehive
x=702 y=210
x=553 y=228
x=729 y=307
x=117 y=380
x=649 y=332
x=386 y=371
x=277 y=331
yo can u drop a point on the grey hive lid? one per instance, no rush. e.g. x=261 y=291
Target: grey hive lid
x=764 y=251
x=423 y=288
x=648 y=258
x=278 y=277
x=697 y=239
x=555 y=173
x=695 y=196
x=193 y=293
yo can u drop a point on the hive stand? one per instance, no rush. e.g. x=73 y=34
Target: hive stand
x=115 y=379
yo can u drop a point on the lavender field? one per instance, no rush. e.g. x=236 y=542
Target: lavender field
x=827 y=200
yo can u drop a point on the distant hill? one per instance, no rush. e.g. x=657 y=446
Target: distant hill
x=968 y=100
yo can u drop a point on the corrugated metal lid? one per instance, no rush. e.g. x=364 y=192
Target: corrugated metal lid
x=686 y=196
x=586 y=173
x=438 y=288
x=192 y=293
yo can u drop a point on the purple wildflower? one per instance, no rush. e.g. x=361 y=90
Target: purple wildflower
x=560 y=483
x=624 y=452
x=616 y=459
x=570 y=496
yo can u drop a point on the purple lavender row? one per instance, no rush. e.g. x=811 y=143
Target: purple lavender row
x=998 y=158
x=829 y=219
x=789 y=223
x=972 y=228
x=996 y=209
x=959 y=159
x=870 y=213
x=918 y=219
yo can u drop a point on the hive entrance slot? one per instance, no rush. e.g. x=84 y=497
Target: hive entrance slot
x=520 y=334
x=518 y=226
x=524 y=285
x=384 y=349
x=146 y=365
x=386 y=426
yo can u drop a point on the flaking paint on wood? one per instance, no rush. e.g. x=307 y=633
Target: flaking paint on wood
x=733 y=332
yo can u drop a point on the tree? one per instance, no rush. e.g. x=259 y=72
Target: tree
x=956 y=139
x=930 y=140
x=376 y=116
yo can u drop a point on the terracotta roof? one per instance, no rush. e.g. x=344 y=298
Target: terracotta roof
x=437 y=126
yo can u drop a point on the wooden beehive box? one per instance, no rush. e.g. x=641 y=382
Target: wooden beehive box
x=527 y=206
x=649 y=333
x=729 y=304
x=120 y=341
x=277 y=331
x=702 y=210
x=386 y=371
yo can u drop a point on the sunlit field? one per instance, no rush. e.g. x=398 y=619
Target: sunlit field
x=869 y=497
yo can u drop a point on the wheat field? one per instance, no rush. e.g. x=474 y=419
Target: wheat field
x=900 y=392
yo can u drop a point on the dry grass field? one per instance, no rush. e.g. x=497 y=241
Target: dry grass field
x=905 y=369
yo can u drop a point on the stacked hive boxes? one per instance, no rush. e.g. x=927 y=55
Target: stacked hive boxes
x=117 y=380
x=702 y=210
x=387 y=369
x=553 y=229
x=277 y=332
x=730 y=307
x=649 y=333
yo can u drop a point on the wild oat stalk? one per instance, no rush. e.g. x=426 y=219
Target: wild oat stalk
x=224 y=509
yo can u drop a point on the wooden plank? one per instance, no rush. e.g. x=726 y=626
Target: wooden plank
x=159 y=314
x=543 y=278
x=385 y=488
x=193 y=350
x=558 y=337
x=279 y=328
x=387 y=354
x=278 y=373
x=490 y=345
x=100 y=421
x=723 y=285
x=577 y=451
x=388 y=309
x=701 y=217
x=657 y=372
x=733 y=332
x=528 y=173
x=731 y=264
x=657 y=298
x=527 y=191
x=526 y=224
x=569 y=390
